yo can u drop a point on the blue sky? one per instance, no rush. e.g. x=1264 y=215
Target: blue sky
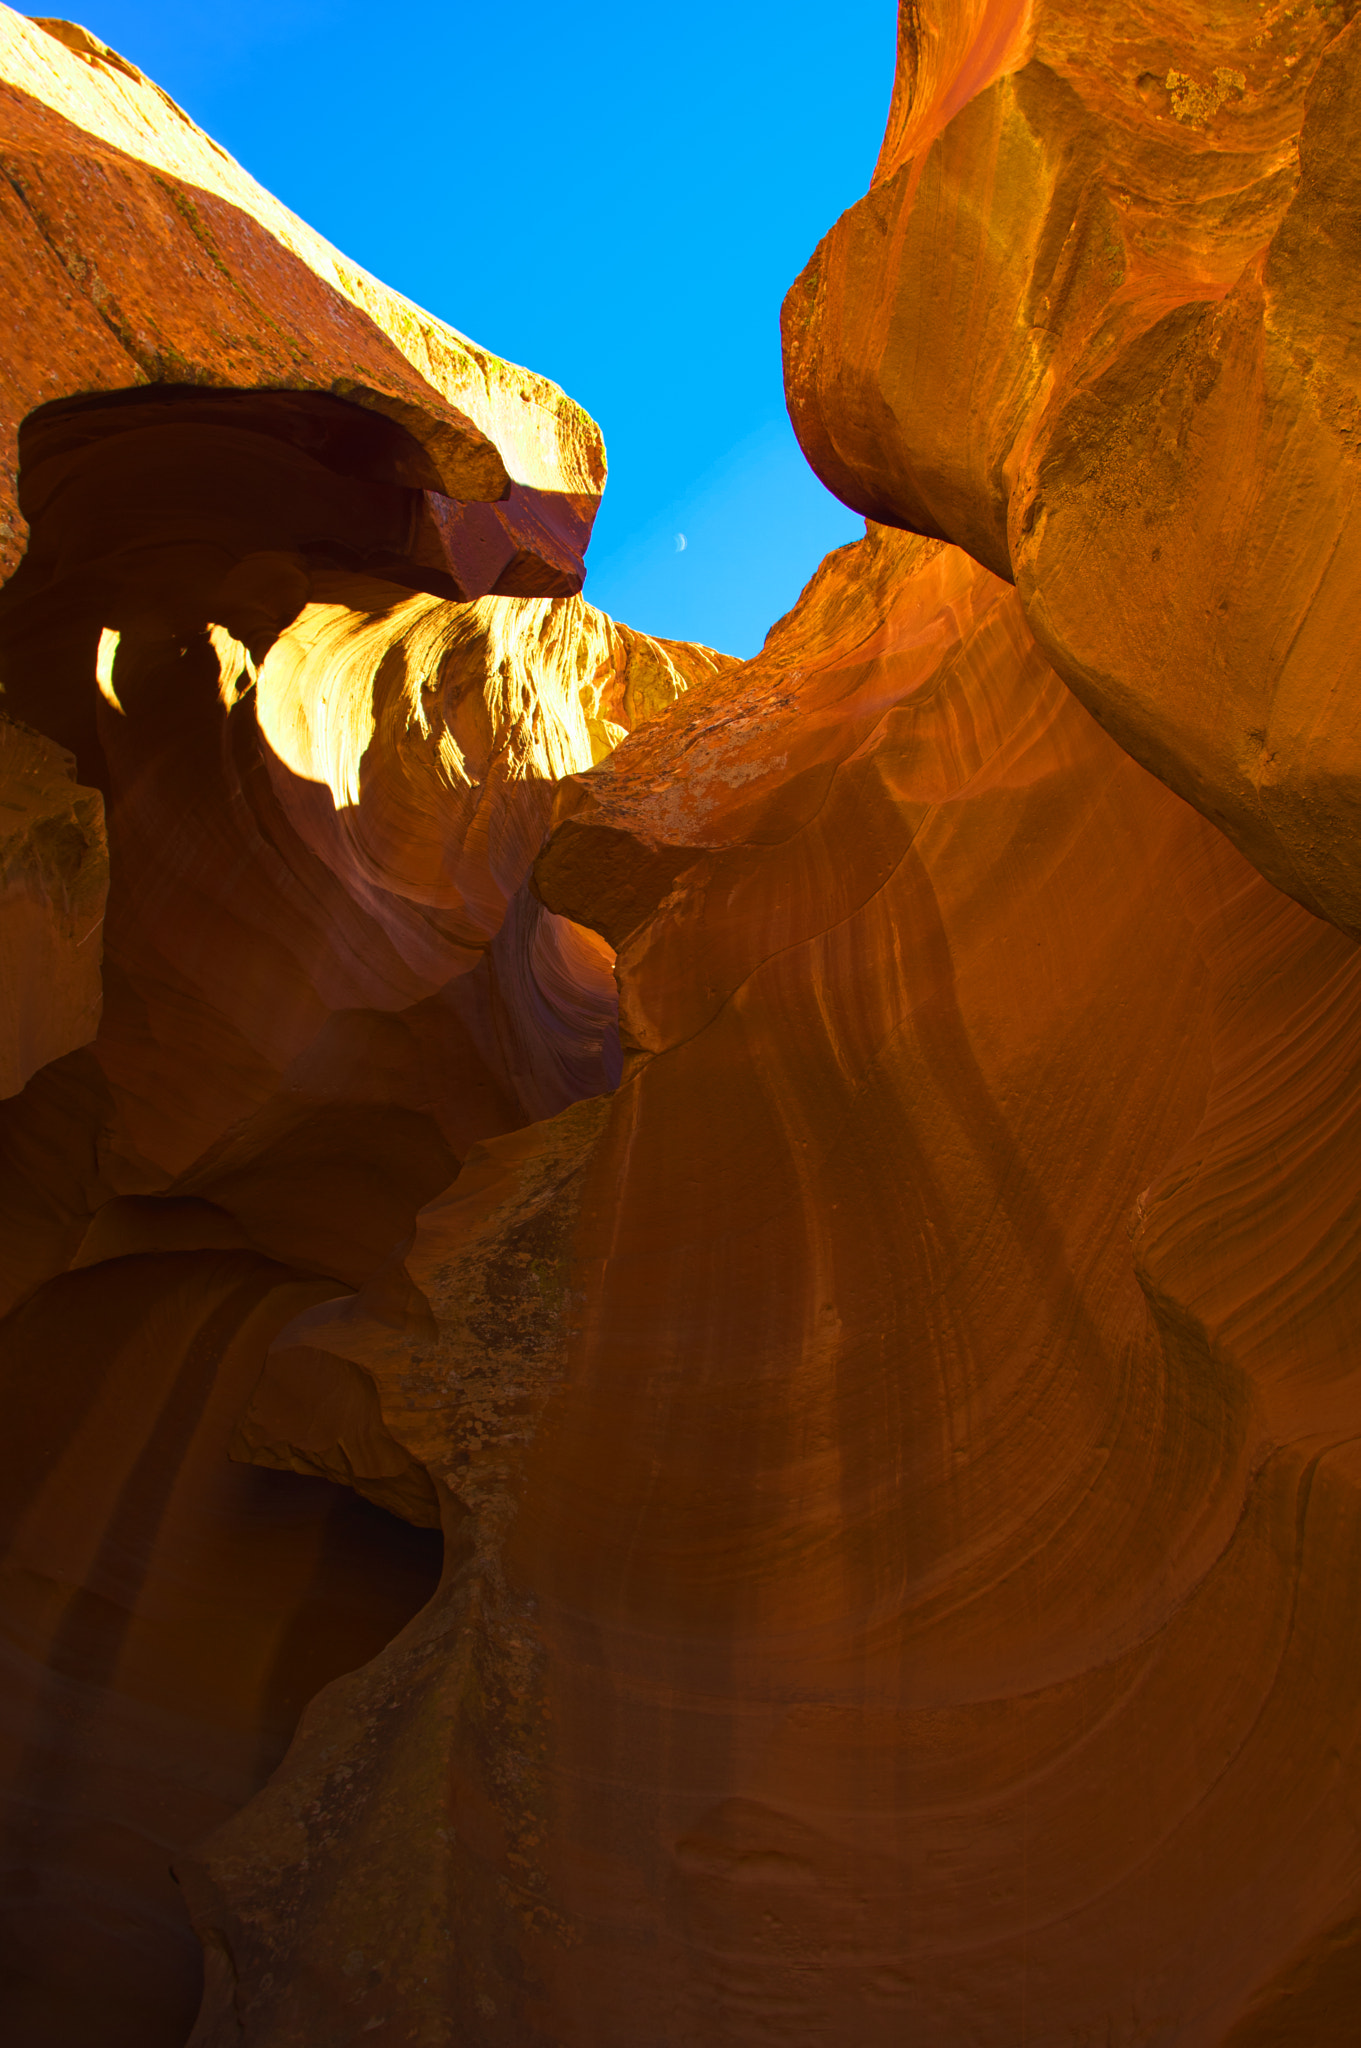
x=616 y=194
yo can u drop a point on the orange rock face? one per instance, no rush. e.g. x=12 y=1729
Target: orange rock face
x=1093 y=322
x=827 y=1193
x=166 y=1615
x=136 y=254
x=54 y=878
x=253 y=522
x=896 y=1453
x=326 y=979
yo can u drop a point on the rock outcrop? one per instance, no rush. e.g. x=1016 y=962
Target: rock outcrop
x=263 y=504
x=679 y=1336
x=1095 y=322
x=138 y=258
x=882 y=1602
x=166 y=1615
x=327 y=979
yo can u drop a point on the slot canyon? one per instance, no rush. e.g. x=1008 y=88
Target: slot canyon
x=681 y=1338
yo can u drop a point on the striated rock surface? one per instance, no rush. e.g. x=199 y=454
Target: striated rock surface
x=1095 y=322
x=369 y=802
x=263 y=504
x=326 y=980
x=896 y=1454
x=143 y=268
x=54 y=877
x=823 y=1190
x=166 y=1615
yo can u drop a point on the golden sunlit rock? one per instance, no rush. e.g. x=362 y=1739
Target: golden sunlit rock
x=825 y=1189
x=895 y=1454
x=1094 y=321
x=188 y=294
x=264 y=502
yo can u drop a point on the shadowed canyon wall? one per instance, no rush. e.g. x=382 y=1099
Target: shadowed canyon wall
x=258 y=515
x=679 y=1335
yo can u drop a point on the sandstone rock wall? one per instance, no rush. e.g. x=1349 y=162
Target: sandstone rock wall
x=896 y=1453
x=137 y=254
x=326 y=979
x=1094 y=322
x=260 y=498
x=678 y=1336
x=166 y=1616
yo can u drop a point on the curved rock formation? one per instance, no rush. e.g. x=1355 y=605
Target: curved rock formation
x=166 y=1615
x=326 y=980
x=1094 y=322
x=830 y=1190
x=174 y=270
x=261 y=493
x=867 y=1614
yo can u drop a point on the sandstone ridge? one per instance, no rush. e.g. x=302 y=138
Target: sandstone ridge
x=175 y=273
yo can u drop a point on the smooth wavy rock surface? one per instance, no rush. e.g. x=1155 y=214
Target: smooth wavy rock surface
x=368 y=804
x=262 y=495
x=1095 y=321
x=897 y=1454
x=327 y=979
x=828 y=1189
x=54 y=878
x=166 y=1615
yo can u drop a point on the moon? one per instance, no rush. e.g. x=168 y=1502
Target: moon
x=680 y=543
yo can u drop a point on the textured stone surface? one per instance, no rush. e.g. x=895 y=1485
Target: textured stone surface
x=367 y=808
x=896 y=1454
x=166 y=1615
x=259 y=493
x=1095 y=322
x=135 y=253
x=827 y=1186
x=326 y=980
x=54 y=877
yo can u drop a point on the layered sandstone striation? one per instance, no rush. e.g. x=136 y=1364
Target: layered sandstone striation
x=166 y=1616
x=896 y=1453
x=296 y=599
x=327 y=979
x=1094 y=321
x=139 y=258
x=679 y=1335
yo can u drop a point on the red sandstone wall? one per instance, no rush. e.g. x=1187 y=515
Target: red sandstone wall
x=875 y=1615
x=832 y=1183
